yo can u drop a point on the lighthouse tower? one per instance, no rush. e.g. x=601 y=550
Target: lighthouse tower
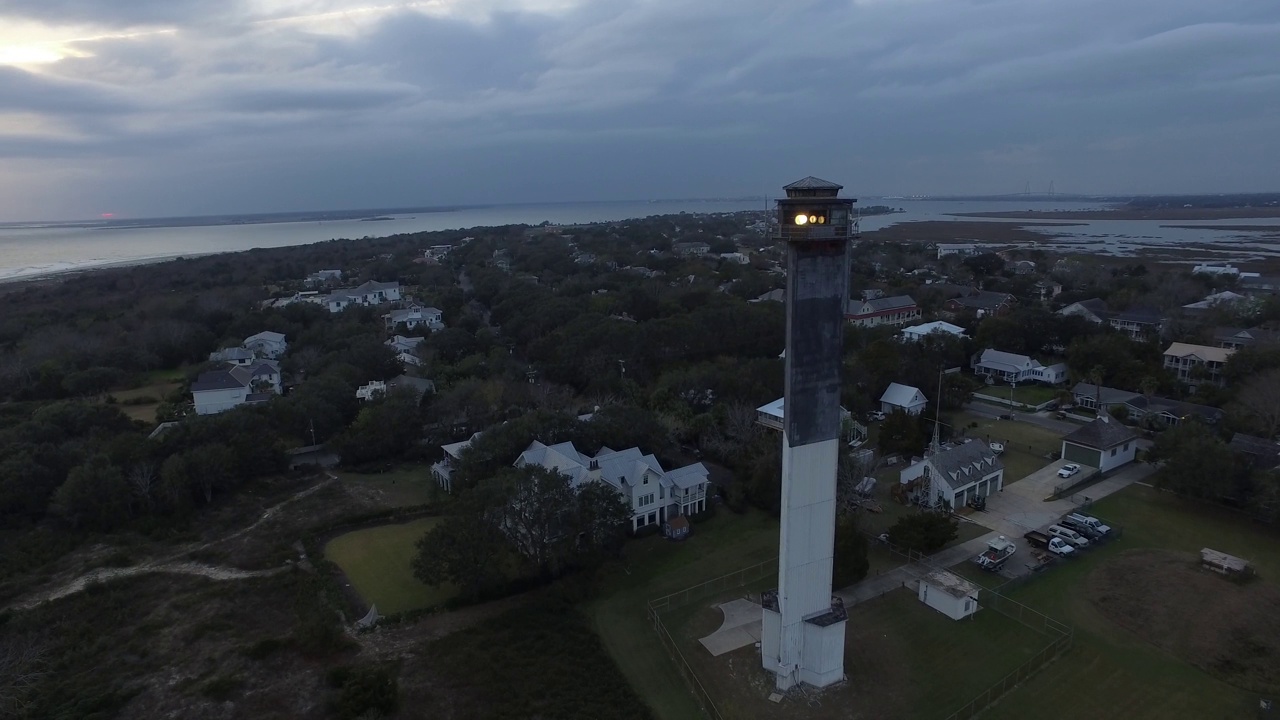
x=803 y=634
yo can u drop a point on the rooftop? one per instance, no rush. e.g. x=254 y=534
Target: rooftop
x=1204 y=352
x=951 y=584
x=1103 y=433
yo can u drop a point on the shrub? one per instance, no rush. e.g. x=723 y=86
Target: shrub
x=364 y=692
x=924 y=532
x=221 y=688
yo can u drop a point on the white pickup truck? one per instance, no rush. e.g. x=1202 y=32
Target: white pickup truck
x=997 y=553
x=1078 y=520
x=1055 y=545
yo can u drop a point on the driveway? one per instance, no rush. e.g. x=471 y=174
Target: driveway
x=1023 y=506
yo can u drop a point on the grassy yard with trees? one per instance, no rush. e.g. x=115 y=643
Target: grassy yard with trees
x=378 y=562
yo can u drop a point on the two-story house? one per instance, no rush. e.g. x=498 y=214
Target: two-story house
x=953 y=475
x=896 y=310
x=1138 y=322
x=1094 y=310
x=691 y=249
x=654 y=495
x=220 y=390
x=1194 y=364
x=1236 y=338
x=267 y=344
x=982 y=303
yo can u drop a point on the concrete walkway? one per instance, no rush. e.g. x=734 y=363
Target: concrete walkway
x=874 y=587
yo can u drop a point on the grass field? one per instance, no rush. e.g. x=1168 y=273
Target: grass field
x=377 y=563
x=656 y=567
x=403 y=487
x=902 y=658
x=1027 y=446
x=1112 y=673
x=158 y=389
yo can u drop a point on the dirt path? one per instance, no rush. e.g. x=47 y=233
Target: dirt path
x=172 y=562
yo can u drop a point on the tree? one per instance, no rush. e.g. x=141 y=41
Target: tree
x=535 y=515
x=925 y=532
x=850 y=563
x=462 y=550
x=900 y=434
x=1195 y=462
x=1259 y=400
x=95 y=496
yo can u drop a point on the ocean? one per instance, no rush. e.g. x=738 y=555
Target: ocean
x=35 y=251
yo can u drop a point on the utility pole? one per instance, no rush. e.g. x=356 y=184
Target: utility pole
x=622 y=366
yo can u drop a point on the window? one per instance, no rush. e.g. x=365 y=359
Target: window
x=645 y=481
x=1113 y=452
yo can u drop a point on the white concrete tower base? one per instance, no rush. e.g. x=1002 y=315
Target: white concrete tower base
x=801 y=640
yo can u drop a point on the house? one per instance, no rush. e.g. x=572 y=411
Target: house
x=778 y=295
x=1259 y=453
x=1021 y=267
x=916 y=333
x=1227 y=269
x=902 y=397
x=234 y=355
x=1225 y=299
x=414 y=317
x=736 y=257
x=980 y=302
x=1261 y=285
x=871 y=293
x=370 y=293
x=1236 y=338
x=1013 y=368
x=220 y=390
x=895 y=310
x=267 y=344
x=375 y=388
x=1171 y=412
x=1105 y=444
x=962 y=249
x=653 y=494
x=1094 y=310
x=770 y=415
x=1137 y=322
x=502 y=260
x=1088 y=395
x=949 y=594
x=1047 y=289
x=956 y=474
x=443 y=470
x=400 y=343
x=690 y=249
x=323 y=276
x=1196 y=363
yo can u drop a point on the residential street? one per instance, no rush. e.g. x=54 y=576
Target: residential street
x=1043 y=419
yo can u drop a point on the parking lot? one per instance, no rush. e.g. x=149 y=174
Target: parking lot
x=1022 y=507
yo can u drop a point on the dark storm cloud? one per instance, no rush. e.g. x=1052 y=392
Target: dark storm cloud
x=518 y=100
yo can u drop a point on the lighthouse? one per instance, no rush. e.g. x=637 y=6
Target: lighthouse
x=802 y=638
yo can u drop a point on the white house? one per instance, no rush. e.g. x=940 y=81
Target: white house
x=902 y=397
x=1227 y=269
x=414 y=317
x=770 y=415
x=949 y=594
x=735 y=257
x=1013 y=368
x=237 y=356
x=443 y=470
x=1104 y=444
x=220 y=390
x=400 y=343
x=653 y=494
x=1196 y=363
x=324 y=276
x=956 y=474
x=371 y=390
x=916 y=333
x=402 y=383
x=945 y=249
x=370 y=293
x=267 y=344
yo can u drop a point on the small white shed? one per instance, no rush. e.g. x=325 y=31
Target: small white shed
x=949 y=594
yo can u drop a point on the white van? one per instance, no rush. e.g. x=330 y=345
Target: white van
x=1069 y=535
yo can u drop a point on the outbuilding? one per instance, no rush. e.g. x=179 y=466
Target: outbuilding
x=902 y=397
x=1105 y=444
x=949 y=594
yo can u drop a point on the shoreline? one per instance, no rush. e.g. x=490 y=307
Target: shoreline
x=46 y=276
x=1172 y=214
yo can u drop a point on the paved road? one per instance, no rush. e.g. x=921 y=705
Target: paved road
x=1044 y=420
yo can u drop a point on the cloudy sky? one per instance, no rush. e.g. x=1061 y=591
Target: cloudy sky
x=165 y=107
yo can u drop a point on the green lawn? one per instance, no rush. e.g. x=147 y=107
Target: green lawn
x=377 y=562
x=1025 y=394
x=901 y=657
x=1110 y=673
x=403 y=487
x=1027 y=447
x=656 y=567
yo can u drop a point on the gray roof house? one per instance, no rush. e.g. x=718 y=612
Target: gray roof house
x=1172 y=412
x=654 y=495
x=902 y=397
x=957 y=474
x=1260 y=453
x=1091 y=396
x=220 y=390
x=1094 y=310
x=896 y=310
x=1105 y=444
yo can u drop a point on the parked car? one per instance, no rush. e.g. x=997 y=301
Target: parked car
x=1068 y=470
x=875 y=415
x=1088 y=521
x=1055 y=545
x=996 y=447
x=1069 y=535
